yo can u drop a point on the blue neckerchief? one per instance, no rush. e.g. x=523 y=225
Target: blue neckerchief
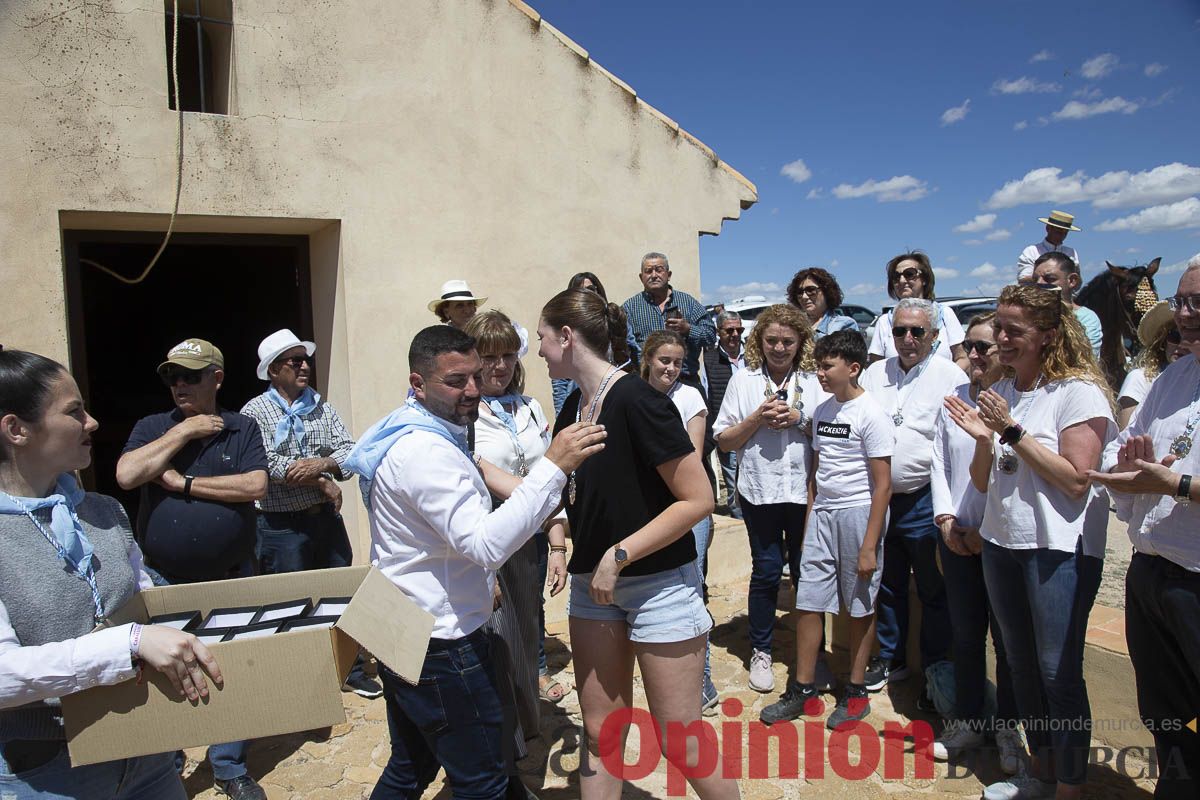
x=64 y=525
x=293 y=414
x=373 y=446
x=496 y=404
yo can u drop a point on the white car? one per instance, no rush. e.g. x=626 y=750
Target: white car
x=748 y=308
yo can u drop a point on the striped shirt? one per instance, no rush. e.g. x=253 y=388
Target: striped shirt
x=645 y=318
x=324 y=436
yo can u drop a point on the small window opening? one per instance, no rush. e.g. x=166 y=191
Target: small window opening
x=205 y=54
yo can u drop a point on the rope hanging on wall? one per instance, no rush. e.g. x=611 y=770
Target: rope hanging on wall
x=178 y=166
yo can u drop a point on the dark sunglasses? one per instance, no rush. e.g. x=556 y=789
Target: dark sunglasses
x=910 y=274
x=189 y=376
x=981 y=348
x=1173 y=336
x=738 y=331
x=812 y=291
x=899 y=331
x=294 y=362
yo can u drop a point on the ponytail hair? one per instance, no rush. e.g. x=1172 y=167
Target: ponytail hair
x=601 y=326
x=25 y=382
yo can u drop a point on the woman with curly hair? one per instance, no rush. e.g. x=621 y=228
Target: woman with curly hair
x=1037 y=432
x=1161 y=345
x=815 y=292
x=766 y=418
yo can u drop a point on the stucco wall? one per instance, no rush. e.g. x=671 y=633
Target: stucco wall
x=418 y=140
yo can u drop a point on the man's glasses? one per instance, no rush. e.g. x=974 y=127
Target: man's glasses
x=910 y=274
x=917 y=331
x=812 y=291
x=295 y=362
x=729 y=331
x=1189 y=301
x=980 y=347
x=191 y=377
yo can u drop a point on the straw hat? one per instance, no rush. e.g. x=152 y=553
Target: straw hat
x=1060 y=219
x=455 y=290
x=1153 y=322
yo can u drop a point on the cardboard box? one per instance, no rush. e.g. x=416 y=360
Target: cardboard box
x=276 y=684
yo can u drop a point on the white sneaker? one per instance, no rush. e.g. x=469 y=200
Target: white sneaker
x=955 y=738
x=1011 y=747
x=761 y=677
x=1019 y=787
x=823 y=680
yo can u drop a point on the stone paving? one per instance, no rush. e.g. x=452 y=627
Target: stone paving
x=345 y=761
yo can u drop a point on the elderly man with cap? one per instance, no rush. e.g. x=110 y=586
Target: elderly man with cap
x=200 y=469
x=299 y=524
x=1058 y=225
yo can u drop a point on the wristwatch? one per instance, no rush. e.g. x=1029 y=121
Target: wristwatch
x=1012 y=434
x=620 y=556
x=1183 y=492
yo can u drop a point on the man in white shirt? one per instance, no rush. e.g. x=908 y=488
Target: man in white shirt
x=910 y=387
x=1149 y=468
x=1055 y=270
x=1058 y=225
x=434 y=534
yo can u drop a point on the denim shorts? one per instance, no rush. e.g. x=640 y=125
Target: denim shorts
x=659 y=608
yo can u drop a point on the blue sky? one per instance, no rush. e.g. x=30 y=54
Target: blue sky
x=944 y=126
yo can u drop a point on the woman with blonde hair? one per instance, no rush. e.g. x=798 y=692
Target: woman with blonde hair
x=1161 y=345
x=635 y=592
x=766 y=418
x=1037 y=432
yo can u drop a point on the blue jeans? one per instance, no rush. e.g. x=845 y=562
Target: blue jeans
x=776 y=532
x=452 y=719
x=910 y=546
x=542 y=542
x=1042 y=599
x=970 y=617
x=144 y=778
x=728 y=462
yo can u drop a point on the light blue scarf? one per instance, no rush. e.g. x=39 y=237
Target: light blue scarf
x=496 y=404
x=293 y=414
x=64 y=525
x=373 y=446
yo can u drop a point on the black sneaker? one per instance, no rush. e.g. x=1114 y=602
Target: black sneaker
x=793 y=704
x=925 y=702
x=243 y=787
x=854 y=705
x=881 y=672
x=363 y=686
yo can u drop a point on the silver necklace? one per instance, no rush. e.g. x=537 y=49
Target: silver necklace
x=1008 y=460
x=590 y=417
x=772 y=390
x=1181 y=445
x=901 y=398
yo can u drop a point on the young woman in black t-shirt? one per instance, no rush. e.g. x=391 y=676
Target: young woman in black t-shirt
x=635 y=591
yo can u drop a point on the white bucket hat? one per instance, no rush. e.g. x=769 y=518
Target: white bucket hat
x=455 y=290
x=277 y=344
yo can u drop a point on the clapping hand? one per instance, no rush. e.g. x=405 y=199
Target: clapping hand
x=967 y=418
x=993 y=411
x=1138 y=471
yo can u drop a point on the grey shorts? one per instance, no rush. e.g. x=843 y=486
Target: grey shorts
x=829 y=578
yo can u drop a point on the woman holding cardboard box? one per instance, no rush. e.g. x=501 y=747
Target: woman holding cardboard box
x=67 y=560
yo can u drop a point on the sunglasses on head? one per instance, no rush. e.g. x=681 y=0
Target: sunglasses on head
x=981 y=347
x=910 y=274
x=918 y=332
x=189 y=376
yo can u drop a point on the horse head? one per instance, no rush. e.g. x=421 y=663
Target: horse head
x=1136 y=286
x=1120 y=296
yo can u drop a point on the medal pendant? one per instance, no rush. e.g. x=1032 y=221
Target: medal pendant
x=897 y=419
x=571 y=490
x=1007 y=463
x=1181 y=446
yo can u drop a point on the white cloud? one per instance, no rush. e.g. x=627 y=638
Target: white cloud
x=1077 y=110
x=1154 y=69
x=725 y=294
x=955 y=114
x=972 y=242
x=981 y=222
x=1041 y=55
x=1088 y=93
x=1099 y=66
x=992 y=287
x=1121 y=189
x=833 y=264
x=1020 y=126
x=945 y=273
x=797 y=171
x=998 y=235
x=1169 y=217
x=814 y=194
x=985 y=270
x=860 y=289
x=1024 y=85
x=1178 y=266
x=900 y=188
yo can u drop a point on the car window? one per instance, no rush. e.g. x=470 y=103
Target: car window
x=968 y=311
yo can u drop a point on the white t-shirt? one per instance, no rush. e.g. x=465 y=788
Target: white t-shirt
x=1136 y=386
x=1024 y=511
x=950 y=333
x=493 y=441
x=950 y=476
x=773 y=466
x=917 y=395
x=688 y=402
x=845 y=435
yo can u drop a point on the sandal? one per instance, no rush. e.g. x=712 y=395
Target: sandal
x=550 y=690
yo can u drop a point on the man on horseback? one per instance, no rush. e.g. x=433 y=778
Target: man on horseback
x=1058 y=225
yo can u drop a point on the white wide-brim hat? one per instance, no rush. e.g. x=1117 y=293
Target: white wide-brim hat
x=1153 y=322
x=276 y=345
x=452 y=291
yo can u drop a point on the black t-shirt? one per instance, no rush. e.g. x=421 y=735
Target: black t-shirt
x=193 y=539
x=619 y=490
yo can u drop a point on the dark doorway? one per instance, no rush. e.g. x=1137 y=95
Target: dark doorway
x=232 y=290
